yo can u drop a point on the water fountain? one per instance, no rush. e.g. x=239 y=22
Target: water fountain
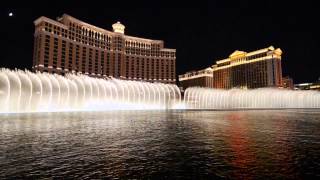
x=24 y=91
x=262 y=98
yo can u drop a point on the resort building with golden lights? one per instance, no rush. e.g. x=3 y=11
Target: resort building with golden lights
x=249 y=70
x=201 y=78
x=245 y=70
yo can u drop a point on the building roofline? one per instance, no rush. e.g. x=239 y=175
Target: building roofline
x=101 y=30
x=85 y=24
x=168 y=49
x=245 y=62
x=222 y=61
x=197 y=71
x=270 y=48
x=43 y=18
x=246 y=54
x=107 y=31
x=143 y=39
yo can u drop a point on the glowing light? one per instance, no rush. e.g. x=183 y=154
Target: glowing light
x=118 y=27
x=10 y=14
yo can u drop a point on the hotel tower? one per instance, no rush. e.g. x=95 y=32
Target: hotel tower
x=246 y=70
x=256 y=69
x=68 y=45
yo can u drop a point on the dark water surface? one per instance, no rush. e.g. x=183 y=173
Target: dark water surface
x=269 y=144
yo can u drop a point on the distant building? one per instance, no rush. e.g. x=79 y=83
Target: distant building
x=201 y=78
x=68 y=45
x=287 y=82
x=261 y=68
x=308 y=86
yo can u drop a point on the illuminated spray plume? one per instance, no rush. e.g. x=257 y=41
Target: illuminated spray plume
x=24 y=91
x=262 y=98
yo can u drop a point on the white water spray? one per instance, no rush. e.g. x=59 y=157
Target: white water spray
x=24 y=91
x=263 y=98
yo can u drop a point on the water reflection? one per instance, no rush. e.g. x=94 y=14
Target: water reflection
x=243 y=158
x=161 y=144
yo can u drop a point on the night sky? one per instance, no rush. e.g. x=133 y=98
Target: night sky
x=201 y=34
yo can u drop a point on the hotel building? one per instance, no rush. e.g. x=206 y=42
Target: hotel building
x=287 y=82
x=68 y=45
x=308 y=86
x=261 y=68
x=201 y=78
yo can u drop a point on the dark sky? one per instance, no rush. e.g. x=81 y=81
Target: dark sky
x=201 y=34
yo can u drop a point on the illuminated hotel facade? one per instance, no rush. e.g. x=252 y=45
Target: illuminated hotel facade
x=261 y=68
x=69 y=45
x=201 y=78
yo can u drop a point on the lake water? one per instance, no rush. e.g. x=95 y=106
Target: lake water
x=269 y=144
